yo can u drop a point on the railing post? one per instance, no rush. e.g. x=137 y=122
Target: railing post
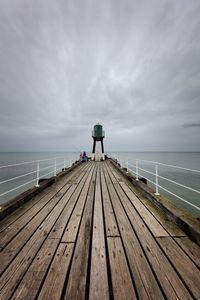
x=127 y=165
x=38 y=173
x=70 y=162
x=156 y=169
x=55 y=166
x=137 y=169
x=120 y=162
x=64 y=164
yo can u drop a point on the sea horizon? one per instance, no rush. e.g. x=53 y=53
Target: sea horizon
x=190 y=160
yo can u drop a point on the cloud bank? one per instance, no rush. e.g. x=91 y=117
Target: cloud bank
x=132 y=66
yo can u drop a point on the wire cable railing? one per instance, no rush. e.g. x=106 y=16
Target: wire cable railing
x=126 y=162
x=59 y=163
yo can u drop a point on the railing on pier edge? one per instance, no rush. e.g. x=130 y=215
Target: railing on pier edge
x=55 y=165
x=126 y=162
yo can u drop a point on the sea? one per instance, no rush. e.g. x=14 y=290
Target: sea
x=188 y=160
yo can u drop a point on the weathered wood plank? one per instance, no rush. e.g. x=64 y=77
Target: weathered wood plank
x=24 y=235
x=26 y=207
x=171 y=283
x=60 y=226
x=98 y=276
x=38 y=264
x=13 y=274
x=23 y=209
x=76 y=286
x=17 y=226
x=167 y=224
x=54 y=281
x=183 y=264
x=192 y=249
x=11 y=231
x=33 y=278
x=122 y=285
x=110 y=221
x=155 y=227
x=145 y=281
x=73 y=225
x=18 y=267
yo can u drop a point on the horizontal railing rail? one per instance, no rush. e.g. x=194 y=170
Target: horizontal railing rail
x=18 y=164
x=59 y=163
x=31 y=162
x=127 y=163
x=17 y=177
x=168 y=165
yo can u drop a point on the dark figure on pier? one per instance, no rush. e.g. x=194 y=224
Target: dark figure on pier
x=84 y=157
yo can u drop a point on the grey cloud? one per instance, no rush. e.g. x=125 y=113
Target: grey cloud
x=191 y=125
x=133 y=66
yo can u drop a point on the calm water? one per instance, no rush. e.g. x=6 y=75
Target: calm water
x=14 y=158
x=187 y=160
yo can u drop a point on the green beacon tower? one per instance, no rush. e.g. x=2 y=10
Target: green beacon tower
x=98 y=135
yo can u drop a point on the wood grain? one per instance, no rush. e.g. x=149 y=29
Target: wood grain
x=122 y=284
x=98 y=276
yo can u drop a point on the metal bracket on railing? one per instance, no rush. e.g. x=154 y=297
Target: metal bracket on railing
x=156 y=173
x=38 y=174
x=137 y=170
x=64 y=164
x=55 y=167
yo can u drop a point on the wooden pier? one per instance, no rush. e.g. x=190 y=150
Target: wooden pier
x=91 y=235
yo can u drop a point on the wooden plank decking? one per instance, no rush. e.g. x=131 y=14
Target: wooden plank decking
x=89 y=236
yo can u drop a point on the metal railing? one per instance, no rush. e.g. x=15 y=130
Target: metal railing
x=37 y=171
x=136 y=167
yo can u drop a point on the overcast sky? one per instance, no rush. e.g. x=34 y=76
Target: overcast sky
x=133 y=66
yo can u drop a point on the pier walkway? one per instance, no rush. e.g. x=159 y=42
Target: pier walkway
x=91 y=235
